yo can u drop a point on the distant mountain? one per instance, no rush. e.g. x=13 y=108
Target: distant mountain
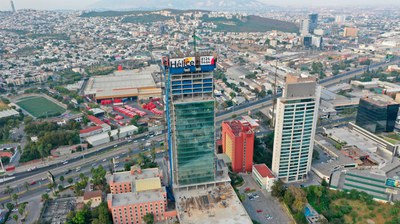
x=214 y=5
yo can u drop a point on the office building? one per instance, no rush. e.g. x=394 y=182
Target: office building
x=295 y=124
x=313 y=20
x=13 y=7
x=305 y=27
x=350 y=32
x=135 y=193
x=316 y=41
x=190 y=116
x=340 y=19
x=238 y=145
x=377 y=113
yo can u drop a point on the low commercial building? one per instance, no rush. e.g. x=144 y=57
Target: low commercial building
x=136 y=193
x=263 y=176
x=104 y=137
x=122 y=84
x=90 y=131
x=94 y=197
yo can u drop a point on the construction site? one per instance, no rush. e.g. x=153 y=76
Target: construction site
x=211 y=205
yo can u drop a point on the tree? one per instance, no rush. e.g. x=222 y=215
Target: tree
x=148 y=218
x=153 y=152
x=299 y=198
x=109 y=134
x=26 y=185
x=8 y=191
x=318 y=193
x=99 y=176
x=15 y=217
x=62 y=179
x=21 y=209
x=118 y=132
x=278 y=189
x=70 y=180
x=10 y=206
x=15 y=199
x=45 y=197
x=324 y=183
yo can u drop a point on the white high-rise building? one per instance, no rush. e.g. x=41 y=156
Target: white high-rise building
x=296 y=120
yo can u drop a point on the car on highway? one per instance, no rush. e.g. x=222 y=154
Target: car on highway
x=117 y=157
x=115 y=146
x=77 y=169
x=65 y=162
x=104 y=160
x=32 y=183
x=68 y=171
x=94 y=164
x=259 y=211
x=135 y=141
x=129 y=140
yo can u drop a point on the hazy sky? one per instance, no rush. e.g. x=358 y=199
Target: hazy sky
x=82 y=4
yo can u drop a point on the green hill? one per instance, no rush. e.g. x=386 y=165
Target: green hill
x=251 y=24
x=246 y=24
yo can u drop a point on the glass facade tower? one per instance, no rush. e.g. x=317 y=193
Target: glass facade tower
x=296 y=118
x=377 y=113
x=191 y=120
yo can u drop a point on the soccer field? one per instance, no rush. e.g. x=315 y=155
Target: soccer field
x=40 y=107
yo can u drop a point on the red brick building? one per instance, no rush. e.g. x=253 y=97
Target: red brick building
x=135 y=193
x=238 y=145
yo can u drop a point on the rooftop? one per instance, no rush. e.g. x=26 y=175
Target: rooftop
x=136 y=197
x=214 y=205
x=90 y=129
x=263 y=170
x=380 y=100
x=237 y=127
x=95 y=120
x=91 y=194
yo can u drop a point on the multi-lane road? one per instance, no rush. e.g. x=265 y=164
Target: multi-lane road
x=106 y=152
x=267 y=101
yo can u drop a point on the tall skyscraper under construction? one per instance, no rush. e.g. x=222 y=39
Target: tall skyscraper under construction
x=191 y=116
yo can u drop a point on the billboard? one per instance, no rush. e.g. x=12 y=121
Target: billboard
x=392 y=183
x=182 y=62
x=207 y=60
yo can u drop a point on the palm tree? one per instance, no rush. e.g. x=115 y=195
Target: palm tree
x=26 y=185
x=15 y=217
x=15 y=198
x=62 y=179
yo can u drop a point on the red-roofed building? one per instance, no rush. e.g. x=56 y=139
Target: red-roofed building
x=95 y=120
x=6 y=154
x=263 y=176
x=90 y=131
x=94 y=197
x=238 y=145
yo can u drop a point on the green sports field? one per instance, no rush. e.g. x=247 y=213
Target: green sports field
x=40 y=107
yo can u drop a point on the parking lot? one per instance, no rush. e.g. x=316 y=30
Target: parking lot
x=264 y=205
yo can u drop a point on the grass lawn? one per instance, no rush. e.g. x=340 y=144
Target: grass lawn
x=40 y=107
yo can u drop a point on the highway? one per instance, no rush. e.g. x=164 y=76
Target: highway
x=267 y=101
x=94 y=155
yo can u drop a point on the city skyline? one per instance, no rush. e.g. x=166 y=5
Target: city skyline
x=88 y=4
